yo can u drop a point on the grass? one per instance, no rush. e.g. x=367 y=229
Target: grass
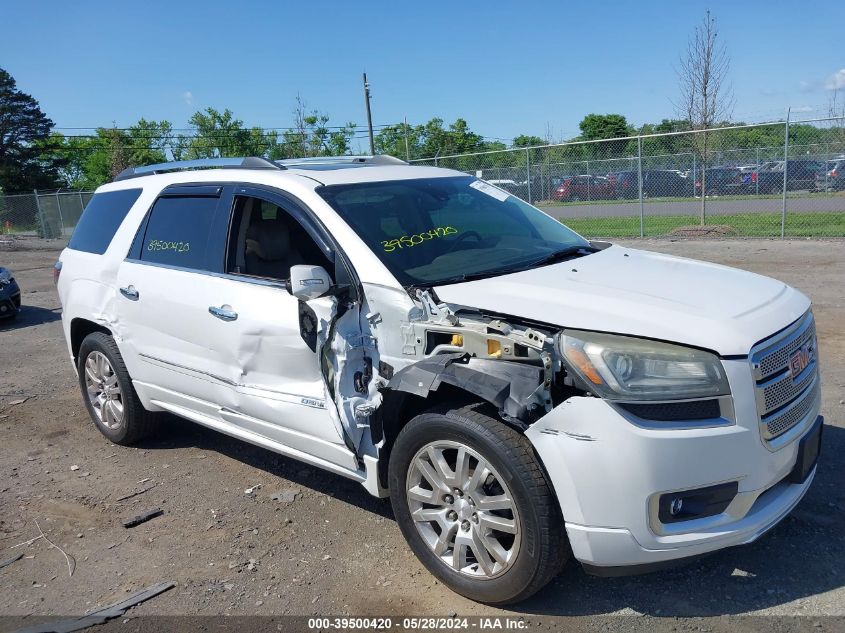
x=667 y=199
x=820 y=224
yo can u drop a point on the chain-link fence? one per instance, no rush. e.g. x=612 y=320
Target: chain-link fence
x=768 y=180
x=45 y=215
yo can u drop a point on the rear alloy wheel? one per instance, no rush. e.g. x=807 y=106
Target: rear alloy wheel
x=473 y=503
x=108 y=393
x=104 y=394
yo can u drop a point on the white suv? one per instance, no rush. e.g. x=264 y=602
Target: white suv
x=519 y=392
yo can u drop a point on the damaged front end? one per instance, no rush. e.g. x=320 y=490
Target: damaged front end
x=508 y=366
x=391 y=349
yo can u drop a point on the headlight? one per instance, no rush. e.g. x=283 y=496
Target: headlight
x=630 y=369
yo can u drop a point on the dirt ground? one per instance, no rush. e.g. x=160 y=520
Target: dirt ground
x=322 y=546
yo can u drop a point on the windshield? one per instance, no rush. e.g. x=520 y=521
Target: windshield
x=442 y=230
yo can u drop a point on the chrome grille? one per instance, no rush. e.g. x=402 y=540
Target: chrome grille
x=783 y=402
x=781 y=421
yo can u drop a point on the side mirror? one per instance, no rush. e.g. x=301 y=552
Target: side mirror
x=309 y=282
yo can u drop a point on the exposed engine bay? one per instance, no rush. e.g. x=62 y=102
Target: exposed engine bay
x=391 y=344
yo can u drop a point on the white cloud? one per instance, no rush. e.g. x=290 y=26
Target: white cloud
x=804 y=108
x=188 y=97
x=836 y=80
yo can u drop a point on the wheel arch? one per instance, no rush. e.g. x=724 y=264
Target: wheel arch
x=79 y=329
x=448 y=381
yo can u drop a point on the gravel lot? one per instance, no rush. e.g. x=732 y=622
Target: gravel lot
x=323 y=546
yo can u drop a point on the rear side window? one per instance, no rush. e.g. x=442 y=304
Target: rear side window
x=178 y=231
x=99 y=221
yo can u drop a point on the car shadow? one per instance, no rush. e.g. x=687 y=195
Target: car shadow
x=802 y=556
x=184 y=434
x=29 y=316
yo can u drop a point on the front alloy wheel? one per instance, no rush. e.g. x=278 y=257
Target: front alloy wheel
x=473 y=503
x=463 y=509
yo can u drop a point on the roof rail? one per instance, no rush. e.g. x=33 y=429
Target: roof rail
x=249 y=162
x=378 y=159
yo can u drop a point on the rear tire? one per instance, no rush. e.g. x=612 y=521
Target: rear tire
x=491 y=531
x=108 y=393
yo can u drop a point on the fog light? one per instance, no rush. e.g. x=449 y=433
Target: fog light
x=697 y=503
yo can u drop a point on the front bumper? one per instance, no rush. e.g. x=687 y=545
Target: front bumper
x=608 y=472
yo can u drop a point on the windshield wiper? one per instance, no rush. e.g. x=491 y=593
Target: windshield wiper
x=562 y=255
x=474 y=276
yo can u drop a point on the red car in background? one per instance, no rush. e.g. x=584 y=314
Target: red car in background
x=577 y=188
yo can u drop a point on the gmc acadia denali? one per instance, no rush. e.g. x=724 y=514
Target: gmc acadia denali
x=521 y=394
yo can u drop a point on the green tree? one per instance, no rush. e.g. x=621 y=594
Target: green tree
x=527 y=140
x=602 y=126
x=400 y=140
x=24 y=128
x=88 y=161
x=311 y=135
x=219 y=134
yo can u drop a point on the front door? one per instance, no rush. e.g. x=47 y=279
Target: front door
x=211 y=327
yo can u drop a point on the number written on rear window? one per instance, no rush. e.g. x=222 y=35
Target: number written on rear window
x=178 y=230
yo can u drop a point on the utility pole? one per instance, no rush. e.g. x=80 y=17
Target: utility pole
x=369 y=114
x=408 y=151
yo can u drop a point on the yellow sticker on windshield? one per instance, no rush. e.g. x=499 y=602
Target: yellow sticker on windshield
x=409 y=241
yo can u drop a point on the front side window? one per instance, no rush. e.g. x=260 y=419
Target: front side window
x=443 y=230
x=178 y=230
x=265 y=241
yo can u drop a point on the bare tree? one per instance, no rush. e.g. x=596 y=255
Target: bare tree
x=706 y=97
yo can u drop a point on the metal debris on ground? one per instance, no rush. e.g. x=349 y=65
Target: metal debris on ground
x=252 y=490
x=99 y=617
x=11 y=560
x=136 y=493
x=143 y=518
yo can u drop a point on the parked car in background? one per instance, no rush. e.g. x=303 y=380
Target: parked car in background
x=10 y=295
x=800 y=175
x=657 y=183
x=722 y=181
x=585 y=187
x=832 y=177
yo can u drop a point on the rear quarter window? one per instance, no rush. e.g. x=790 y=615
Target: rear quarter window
x=100 y=220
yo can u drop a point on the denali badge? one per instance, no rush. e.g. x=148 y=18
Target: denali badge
x=800 y=359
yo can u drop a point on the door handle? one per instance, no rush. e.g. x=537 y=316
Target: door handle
x=224 y=312
x=130 y=293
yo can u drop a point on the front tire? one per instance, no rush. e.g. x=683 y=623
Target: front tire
x=474 y=505
x=108 y=393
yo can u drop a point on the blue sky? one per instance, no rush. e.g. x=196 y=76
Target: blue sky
x=506 y=67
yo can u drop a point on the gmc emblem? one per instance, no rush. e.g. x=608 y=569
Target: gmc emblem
x=800 y=359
